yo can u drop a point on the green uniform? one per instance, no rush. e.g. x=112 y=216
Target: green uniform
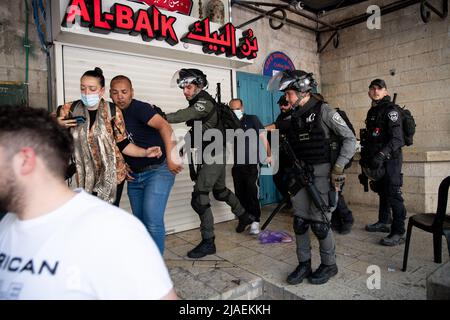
x=209 y=177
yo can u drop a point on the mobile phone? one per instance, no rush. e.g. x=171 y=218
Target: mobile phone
x=79 y=119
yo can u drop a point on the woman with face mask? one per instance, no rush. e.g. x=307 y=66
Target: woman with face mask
x=99 y=136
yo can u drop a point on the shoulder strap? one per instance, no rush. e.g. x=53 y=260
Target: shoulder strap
x=58 y=110
x=112 y=112
x=73 y=105
x=112 y=109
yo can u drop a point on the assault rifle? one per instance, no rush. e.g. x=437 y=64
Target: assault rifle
x=303 y=177
x=363 y=179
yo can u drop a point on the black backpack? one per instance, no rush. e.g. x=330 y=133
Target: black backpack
x=227 y=117
x=408 y=124
x=350 y=125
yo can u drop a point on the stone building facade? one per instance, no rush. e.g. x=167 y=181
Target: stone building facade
x=413 y=58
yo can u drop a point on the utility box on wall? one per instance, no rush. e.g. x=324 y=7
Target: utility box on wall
x=13 y=93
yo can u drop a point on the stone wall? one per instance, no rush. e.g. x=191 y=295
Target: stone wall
x=419 y=54
x=12 y=51
x=299 y=44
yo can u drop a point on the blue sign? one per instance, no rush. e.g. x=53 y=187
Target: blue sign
x=275 y=62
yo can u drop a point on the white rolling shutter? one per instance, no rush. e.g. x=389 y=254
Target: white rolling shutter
x=151 y=82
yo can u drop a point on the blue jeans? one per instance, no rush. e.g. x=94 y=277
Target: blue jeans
x=148 y=194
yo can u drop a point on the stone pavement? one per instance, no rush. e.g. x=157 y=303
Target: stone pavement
x=243 y=268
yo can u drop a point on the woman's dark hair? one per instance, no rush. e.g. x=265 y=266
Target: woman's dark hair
x=96 y=73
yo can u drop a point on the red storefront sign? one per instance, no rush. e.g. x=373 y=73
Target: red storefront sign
x=181 y=6
x=152 y=24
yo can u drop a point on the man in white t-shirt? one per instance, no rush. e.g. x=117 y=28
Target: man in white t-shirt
x=56 y=243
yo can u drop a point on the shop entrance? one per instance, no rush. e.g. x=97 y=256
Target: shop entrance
x=251 y=89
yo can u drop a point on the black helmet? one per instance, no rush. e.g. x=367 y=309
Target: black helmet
x=183 y=77
x=297 y=80
x=374 y=174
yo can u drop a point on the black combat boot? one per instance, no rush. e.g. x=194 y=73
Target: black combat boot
x=244 y=221
x=393 y=239
x=346 y=228
x=378 y=227
x=204 y=248
x=302 y=271
x=323 y=274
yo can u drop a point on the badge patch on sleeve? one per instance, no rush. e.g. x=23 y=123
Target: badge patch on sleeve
x=338 y=119
x=200 y=106
x=393 y=116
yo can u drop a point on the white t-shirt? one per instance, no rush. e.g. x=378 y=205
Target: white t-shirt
x=86 y=249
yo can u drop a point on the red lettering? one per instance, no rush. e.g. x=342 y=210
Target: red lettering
x=99 y=25
x=155 y=15
x=143 y=26
x=124 y=17
x=76 y=8
x=167 y=31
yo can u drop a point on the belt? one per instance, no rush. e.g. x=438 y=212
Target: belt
x=145 y=168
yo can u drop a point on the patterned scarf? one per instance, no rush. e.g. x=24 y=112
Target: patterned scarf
x=95 y=160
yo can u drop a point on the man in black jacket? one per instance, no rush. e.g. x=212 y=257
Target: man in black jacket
x=382 y=152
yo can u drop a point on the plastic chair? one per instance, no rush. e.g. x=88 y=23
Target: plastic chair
x=438 y=224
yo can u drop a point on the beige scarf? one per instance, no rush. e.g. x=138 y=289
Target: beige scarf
x=95 y=154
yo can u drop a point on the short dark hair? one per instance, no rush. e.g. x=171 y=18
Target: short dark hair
x=378 y=82
x=29 y=127
x=96 y=73
x=237 y=99
x=121 y=78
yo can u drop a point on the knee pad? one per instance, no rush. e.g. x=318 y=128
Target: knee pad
x=222 y=194
x=320 y=229
x=196 y=204
x=300 y=225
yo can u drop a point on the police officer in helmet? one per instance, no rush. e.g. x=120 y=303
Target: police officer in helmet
x=208 y=176
x=381 y=159
x=313 y=124
x=281 y=177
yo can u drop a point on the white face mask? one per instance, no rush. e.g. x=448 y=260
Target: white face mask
x=239 y=114
x=90 y=100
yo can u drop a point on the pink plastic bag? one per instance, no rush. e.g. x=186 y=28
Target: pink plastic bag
x=269 y=236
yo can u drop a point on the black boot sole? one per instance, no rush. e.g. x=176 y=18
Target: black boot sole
x=321 y=280
x=200 y=255
x=298 y=281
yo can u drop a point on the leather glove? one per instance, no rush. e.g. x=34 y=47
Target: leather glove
x=337 y=177
x=378 y=160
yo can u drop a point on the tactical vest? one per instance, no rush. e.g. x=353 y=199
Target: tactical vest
x=190 y=123
x=307 y=136
x=377 y=131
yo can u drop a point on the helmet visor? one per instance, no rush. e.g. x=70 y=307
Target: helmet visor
x=274 y=82
x=179 y=82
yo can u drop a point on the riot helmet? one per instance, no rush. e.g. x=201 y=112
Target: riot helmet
x=184 y=77
x=297 y=80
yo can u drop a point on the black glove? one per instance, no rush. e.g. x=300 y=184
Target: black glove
x=378 y=160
